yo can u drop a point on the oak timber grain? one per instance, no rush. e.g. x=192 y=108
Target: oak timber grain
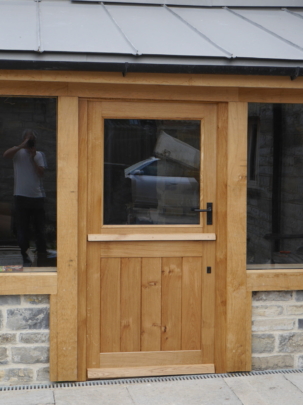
x=149 y=371
x=151 y=249
x=130 y=304
x=151 y=304
x=150 y=358
x=191 y=303
x=110 y=304
x=171 y=303
x=94 y=221
x=28 y=283
x=67 y=218
x=221 y=243
x=236 y=236
x=275 y=280
x=82 y=231
x=150 y=237
x=152 y=79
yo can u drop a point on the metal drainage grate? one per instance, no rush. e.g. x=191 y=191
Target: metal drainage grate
x=143 y=380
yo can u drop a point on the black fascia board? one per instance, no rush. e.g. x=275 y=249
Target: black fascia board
x=127 y=67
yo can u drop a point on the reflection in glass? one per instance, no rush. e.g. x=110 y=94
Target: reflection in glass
x=151 y=172
x=275 y=185
x=28 y=183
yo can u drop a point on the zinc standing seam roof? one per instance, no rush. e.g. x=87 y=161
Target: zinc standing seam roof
x=162 y=32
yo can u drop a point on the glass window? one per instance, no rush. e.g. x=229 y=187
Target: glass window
x=28 y=183
x=151 y=172
x=275 y=185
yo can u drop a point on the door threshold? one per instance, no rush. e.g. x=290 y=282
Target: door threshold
x=150 y=371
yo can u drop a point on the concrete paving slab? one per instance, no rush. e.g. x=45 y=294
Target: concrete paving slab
x=275 y=389
x=103 y=395
x=27 y=397
x=296 y=379
x=245 y=392
x=191 y=392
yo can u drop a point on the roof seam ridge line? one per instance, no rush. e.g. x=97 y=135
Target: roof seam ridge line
x=264 y=29
x=292 y=13
x=120 y=29
x=230 y=55
x=38 y=15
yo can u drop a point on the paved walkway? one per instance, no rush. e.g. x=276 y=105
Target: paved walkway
x=269 y=389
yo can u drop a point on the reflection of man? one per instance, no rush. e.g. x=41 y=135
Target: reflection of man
x=29 y=195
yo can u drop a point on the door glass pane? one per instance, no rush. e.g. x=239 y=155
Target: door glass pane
x=275 y=185
x=151 y=172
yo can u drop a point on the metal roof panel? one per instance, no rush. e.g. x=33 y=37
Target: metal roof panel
x=18 y=25
x=156 y=31
x=67 y=27
x=239 y=37
x=279 y=22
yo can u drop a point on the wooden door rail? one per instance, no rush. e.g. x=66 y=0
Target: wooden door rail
x=151 y=237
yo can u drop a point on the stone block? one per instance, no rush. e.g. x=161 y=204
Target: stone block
x=34 y=337
x=17 y=375
x=43 y=374
x=7 y=338
x=261 y=325
x=294 y=310
x=300 y=323
x=299 y=296
x=27 y=318
x=291 y=342
x=10 y=300
x=1 y=320
x=272 y=295
x=263 y=343
x=267 y=310
x=3 y=355
x=30 y=355
x=36 y=299
x=272 y=362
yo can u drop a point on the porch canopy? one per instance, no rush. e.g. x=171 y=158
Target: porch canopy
x=190 y=36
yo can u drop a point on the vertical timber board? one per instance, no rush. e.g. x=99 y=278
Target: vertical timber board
x=151 y=304
x=221 y=242
x=53 y=355
x=236 y=237
x=209 y=186
x=171 y=303
x=94 y=222
x=110 y=304
x=130 y=287
x=67 y=195
x=191 y=303
x=82 y=235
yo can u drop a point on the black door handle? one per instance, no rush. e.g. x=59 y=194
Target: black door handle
x=209 y=210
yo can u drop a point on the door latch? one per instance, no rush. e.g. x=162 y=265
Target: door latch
x=209 y=211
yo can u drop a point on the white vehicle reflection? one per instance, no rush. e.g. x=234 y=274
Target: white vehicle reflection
x=166 y=185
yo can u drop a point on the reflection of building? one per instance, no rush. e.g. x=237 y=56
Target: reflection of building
x=116 y=61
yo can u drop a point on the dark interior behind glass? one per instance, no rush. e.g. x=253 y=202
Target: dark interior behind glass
x=16 y=115
x=275 y=184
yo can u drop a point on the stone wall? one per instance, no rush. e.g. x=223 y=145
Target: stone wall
x=277 y=330
x=24 y=339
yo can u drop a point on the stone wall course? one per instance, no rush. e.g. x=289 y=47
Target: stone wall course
x=32 y=338
x=30 y=355
x=27 y=318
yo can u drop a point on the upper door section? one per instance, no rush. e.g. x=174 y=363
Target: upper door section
x=151 y=165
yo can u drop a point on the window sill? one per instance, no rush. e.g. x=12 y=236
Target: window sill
x=33 y=282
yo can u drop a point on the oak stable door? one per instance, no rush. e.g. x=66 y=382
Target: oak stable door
x=151 y=186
